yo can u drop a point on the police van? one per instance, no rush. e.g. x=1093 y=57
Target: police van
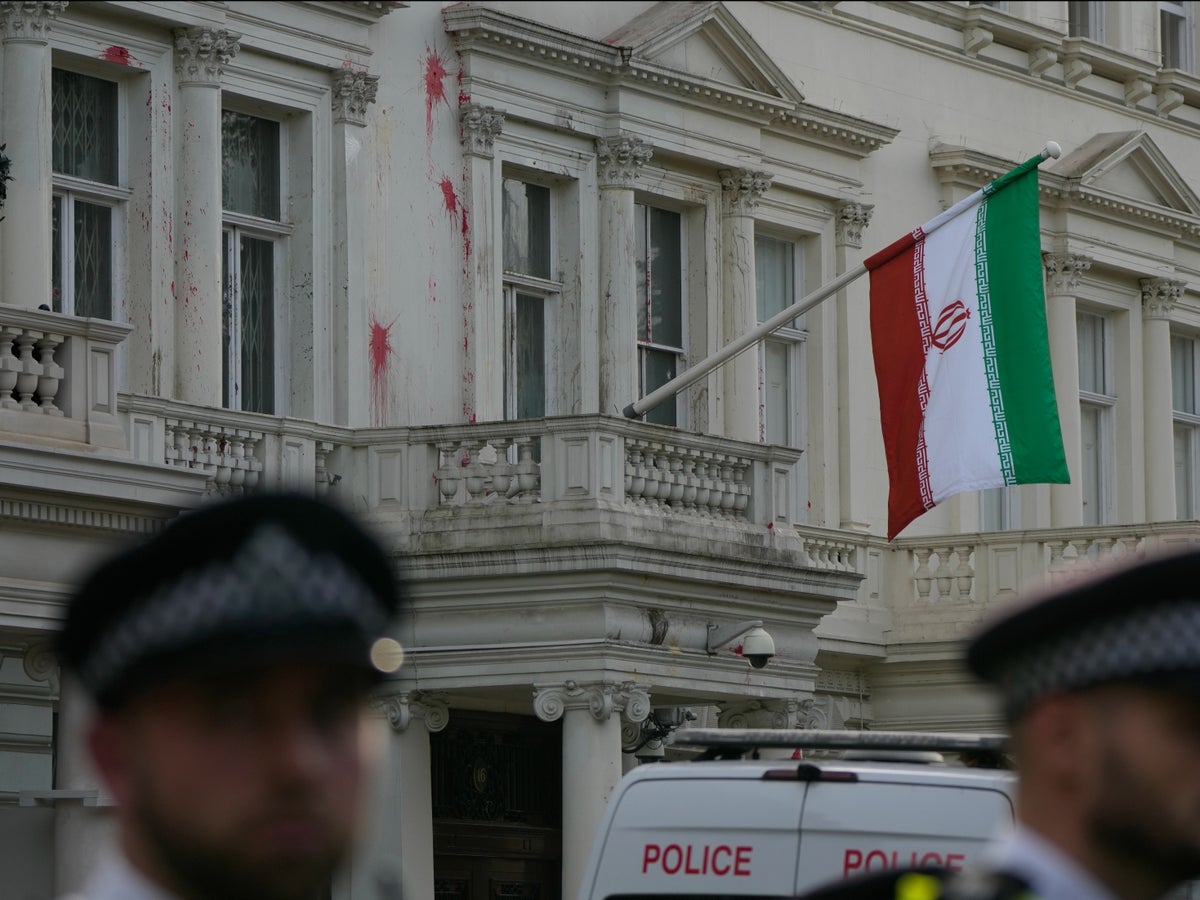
x=733 y=824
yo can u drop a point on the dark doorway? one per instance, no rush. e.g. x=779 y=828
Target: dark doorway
x=497 y=808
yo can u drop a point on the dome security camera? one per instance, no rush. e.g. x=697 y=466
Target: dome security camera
x=758 y=647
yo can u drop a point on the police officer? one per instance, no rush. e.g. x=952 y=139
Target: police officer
x=1101 y=688
x=229 y=659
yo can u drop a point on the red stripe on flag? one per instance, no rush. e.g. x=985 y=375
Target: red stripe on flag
x=899 y=342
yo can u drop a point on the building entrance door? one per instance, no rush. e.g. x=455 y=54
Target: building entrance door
x=497 y=808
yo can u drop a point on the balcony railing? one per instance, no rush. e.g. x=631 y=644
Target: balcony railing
x=57 y=376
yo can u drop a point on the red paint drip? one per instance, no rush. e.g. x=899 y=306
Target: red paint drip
x=449 y=199
x=435 y=92
x=379 y=346
x=119 y=55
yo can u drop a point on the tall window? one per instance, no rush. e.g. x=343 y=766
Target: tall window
x=87 y=195
x=1187 y=427
x=1096 y=402
x=251 y=243
x=660 y=305
x=779 y=363
x=530 y=295
x=1085 y=18
x=1177 y=34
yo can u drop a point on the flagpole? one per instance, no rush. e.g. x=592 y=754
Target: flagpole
x=670 y=388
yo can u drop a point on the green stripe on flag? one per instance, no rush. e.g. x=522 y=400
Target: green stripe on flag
x=1018 y=308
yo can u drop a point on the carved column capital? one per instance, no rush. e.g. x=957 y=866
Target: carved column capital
x=801 y=712
x=601 y=699
x=28 y=22
x=852 y=219
x=401 y=708
x=742 y=189
x=352 y=93
x=1159 y=296
x=619 y=158
x=480 y=125
x=201 y=54
x=1063 y=271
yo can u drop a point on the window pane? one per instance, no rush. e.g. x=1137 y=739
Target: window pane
x=776 y=401
x=1184 y=476
x=531 y=356
x=1090 y=332
x=774 y=276
x=992 y=509
x=84 y=114
x=642 y=241
x=250 y=165
x=1171 y=31
x=227 y=310
x=258 y=325
x=93 y=260
x=659 y=367
x=56 y=279
x=1183 y=375
x=1090 y=441
x=666 y=279
x=526 y=219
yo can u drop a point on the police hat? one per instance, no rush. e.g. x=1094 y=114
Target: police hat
x=1138 y=622
x=231 y=585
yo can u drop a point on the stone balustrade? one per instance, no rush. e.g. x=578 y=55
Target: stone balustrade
x=57 y=377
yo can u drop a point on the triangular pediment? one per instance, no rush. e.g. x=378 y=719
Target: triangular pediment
x=705 y=41
x=1127 y=165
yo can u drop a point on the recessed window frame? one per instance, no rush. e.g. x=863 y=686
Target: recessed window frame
x=1085 y=18
x=670 y=412
x=68 y=191
x=1186 y=425
x=1098 y=403
x=516 y=285
x=236 y=227
x=1177 y=34
x=792 y=338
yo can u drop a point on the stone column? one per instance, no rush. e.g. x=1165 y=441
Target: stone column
x=618 y=160
x=352 y=93
x=739 y=307
x=82 y=827
x=591 y=758
x=395 y=857
x=1159 y=296
x=857 y=419
x=483 y=303
x=1063 y=271
x=200 y=55
x=27 y=124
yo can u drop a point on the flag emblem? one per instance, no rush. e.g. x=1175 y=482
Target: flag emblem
x=950 y=325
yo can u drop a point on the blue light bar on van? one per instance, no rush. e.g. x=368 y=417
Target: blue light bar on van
x=746 y=738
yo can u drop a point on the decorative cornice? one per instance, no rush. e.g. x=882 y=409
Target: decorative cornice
x=352 y=92
x=852 y=219
x=28 y=22
x=971 y=170
x=78 y=517
x=1159 y=296
x=480 y=125
x=834 y=681
x=201 y=54
x=791 y=713
x=601 y=699
x=619 y=158
x=403 y=707
x=741 y=190
x=826 y=128
x=1063 y=271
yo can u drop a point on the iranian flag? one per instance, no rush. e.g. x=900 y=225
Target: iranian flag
x=958 y=327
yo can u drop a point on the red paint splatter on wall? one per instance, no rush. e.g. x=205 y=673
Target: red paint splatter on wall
x=450 y=199
x=119 y=55
x=379 y=347
x=433 y=69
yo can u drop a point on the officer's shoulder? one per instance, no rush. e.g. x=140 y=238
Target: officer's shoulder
x=925 y=884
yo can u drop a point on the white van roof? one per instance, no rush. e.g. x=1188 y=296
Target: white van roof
x=775 y=827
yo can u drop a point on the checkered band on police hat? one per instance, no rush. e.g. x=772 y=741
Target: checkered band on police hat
x=1139 y=622
x=233 y=583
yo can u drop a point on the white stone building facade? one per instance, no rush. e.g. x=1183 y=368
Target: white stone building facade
x=418 y=257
